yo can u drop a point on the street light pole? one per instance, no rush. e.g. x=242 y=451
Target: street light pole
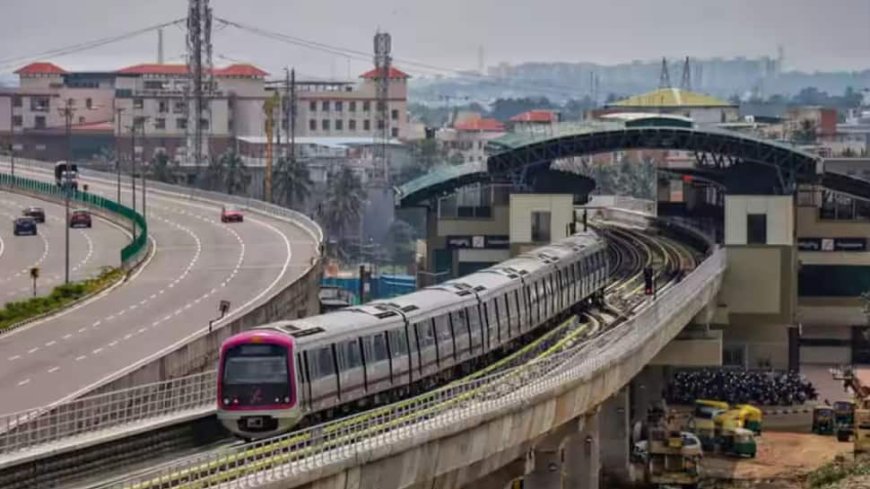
x=12 y=99
x=133 y=168
x=118 y=111
x=67 y=112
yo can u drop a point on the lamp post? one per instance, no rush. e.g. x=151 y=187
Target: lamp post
x=118 y=111
x=67 y=112
x=137 y=121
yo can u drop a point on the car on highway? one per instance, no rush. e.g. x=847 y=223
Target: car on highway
x=231 y=214
x=80 y=218
x=37 y=213
x=24 y=226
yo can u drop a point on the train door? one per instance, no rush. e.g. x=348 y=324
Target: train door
x=350 y=369
x=401 y=359
x=444 y=335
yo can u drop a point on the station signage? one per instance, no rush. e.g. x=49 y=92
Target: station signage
x=478 y=242
x=832 y=244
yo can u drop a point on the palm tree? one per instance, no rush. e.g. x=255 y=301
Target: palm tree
x=236 y=175
x=292 y=182
x=344 y=201
x=162 y=168
x=215 y=174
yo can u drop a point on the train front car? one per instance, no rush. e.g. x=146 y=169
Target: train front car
x=257 y=395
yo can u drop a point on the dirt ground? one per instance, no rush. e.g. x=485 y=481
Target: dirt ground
x=782 y=462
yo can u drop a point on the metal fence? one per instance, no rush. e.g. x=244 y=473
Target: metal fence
x=300 y=454
x=31 y=428
x=130 y=253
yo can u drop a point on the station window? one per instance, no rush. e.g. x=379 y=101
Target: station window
x=756 y=229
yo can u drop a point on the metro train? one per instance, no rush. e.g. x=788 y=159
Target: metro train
x=272 y=376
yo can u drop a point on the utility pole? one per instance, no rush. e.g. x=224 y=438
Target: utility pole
x=118 y=111
x=67 y=112
x=200 y=73
x=293 y=107
x=12 y=99
x=132 y=128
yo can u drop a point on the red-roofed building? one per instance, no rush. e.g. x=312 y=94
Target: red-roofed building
x=534 y=119
x=467 y=139
x=40 y=68
x=395 y=74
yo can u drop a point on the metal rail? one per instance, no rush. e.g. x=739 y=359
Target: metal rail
x=300 y=453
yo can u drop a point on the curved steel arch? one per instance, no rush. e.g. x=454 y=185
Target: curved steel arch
x=791 y=164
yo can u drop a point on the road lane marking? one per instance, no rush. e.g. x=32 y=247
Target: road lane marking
x=80 y=358
x=50 y=343
x=97 y=351
x=25 y=381
x=53 y=370
x=32 y=350
x=14 y=357
x=67 y=336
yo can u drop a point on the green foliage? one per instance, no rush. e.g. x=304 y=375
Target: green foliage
x=344 y=201
x=400 y=239
x=627 y=178
x=62 y=295
x=834 y=472
x=227 y=173
x=162 y=168
x=292 y=182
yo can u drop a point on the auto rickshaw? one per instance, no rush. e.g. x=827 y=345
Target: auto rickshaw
x=703 y=423
x=739 y=442
x=728 y=421
x=844 y=419
x=752 y=417
x=823 y=420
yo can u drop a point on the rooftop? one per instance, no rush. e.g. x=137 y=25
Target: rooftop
x=41 y=68
x=479 y=124
x=671 y=97
x=536 y=116
x=241 y=70
x=395 y=74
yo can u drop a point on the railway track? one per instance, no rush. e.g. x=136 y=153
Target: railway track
x=632 y=251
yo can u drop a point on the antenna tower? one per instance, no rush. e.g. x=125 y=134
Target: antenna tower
x=665 y=77
x=383 y=62
x=686 y=84
x=200 y=77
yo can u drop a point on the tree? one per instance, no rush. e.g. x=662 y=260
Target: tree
x=505 y=108
x=344 y=201
x=215 y=174
x=292 y=182
x=806 y=132
x=236 y=174
x=400 y=239
x=161 y=168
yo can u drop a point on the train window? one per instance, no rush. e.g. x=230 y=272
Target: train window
x=474 y=325
x=324 y=364
x=442 y=328
x=398 y=342
x=424 y=334
x=459 y=325
x=350 y=355
x=379 y=347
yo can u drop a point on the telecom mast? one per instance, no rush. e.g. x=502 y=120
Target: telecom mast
x=383 y=61
x=200 y=78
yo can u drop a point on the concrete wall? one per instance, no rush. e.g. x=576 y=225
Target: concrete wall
x=780 y=218
x=753 y=282
x=693 y=352
x=560 y=207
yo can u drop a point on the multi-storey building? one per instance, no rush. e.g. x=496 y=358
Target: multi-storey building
x=106 y=105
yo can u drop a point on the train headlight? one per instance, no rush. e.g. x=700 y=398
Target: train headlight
x=287 y=399
x=277 y=400
x=226 y=401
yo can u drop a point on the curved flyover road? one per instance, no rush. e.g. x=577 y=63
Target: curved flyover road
x=196 y=262
x=90 y=249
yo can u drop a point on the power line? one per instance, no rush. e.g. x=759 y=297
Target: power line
x=84 y=46
x=563 y=90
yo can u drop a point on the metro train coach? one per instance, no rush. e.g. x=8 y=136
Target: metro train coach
x=270 y=377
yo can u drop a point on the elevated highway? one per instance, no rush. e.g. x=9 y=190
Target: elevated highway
x=90 y=249
x=195 y=262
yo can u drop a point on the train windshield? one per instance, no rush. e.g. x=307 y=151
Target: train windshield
x=256 y=375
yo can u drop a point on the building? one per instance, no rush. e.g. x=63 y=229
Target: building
x=153 y=95
x=466 y=141
x=534 y=120
x=702 y=109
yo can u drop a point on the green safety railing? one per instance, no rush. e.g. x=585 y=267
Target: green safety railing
x=130 y=252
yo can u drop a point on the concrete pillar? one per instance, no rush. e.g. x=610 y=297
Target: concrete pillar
x=647 y=387
x=544 y=467
x=615 y=436
x=501 y=478
x=582 y=459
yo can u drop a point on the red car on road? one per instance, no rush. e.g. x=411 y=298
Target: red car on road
x=80 y=218
x=231 y=214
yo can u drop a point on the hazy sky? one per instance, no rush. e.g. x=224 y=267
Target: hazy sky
x=816 y=34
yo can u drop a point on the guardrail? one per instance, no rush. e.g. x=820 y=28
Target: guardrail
x=194 y=193
x=131 y=253
x=30 y=428
x=307 y=455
